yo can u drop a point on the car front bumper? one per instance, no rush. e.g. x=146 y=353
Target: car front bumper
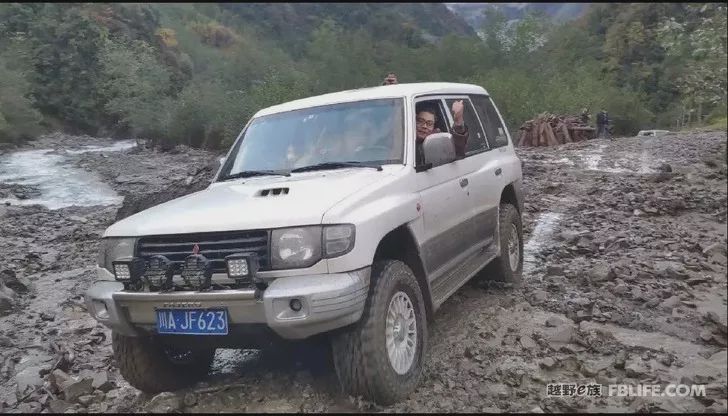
x=329 y=301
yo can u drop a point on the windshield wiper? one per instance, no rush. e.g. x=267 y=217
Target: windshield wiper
x=337 y=165
x=249 y=173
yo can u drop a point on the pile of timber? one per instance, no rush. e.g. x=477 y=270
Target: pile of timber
x=551 y=130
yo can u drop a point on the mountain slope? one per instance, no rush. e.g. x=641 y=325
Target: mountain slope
x=473 y=12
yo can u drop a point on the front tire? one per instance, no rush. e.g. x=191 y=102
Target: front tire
x=508 y=266
x=381 y=357
x=153 y=368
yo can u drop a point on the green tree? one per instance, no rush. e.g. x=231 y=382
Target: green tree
x=65 y=42
x=135 y=88
x=19 y=121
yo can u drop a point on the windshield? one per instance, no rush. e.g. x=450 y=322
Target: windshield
x=365 y=131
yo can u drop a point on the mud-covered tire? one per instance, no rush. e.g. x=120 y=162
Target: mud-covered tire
x=501 y=269
x=360 y=354
x=146 y=365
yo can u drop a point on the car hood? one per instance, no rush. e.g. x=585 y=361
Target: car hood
x=244 y=204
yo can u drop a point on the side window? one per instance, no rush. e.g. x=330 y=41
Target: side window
x=476 y=138
x=494 y=129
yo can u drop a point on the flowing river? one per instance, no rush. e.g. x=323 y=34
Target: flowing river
x=61 y=184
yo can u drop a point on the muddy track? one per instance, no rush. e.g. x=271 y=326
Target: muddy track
x=625 y=283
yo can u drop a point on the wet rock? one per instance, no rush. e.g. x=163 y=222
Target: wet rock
x=59 y=406
x=562 y=334
x=552 y=270
x=86 y=400
x=166 y=402
x=98 y=408
x=694 y=281
x=665 y=167
x=10 y=279
x=27 y=380
x=621 y=289
x=670 y=269
x=717 y=258
x=73 y=389
x=635 y=368
x=554 y=321
x=602 y=273
x=570 y=237
x=528 y=343
x=583 y=316
x=721 y=324
x=498 y=390
x=99 y=396
x=100 y=380
x=190 y=399
x=540 y=296
x=547 y=363
x=6 y=304
x=670 y=303
x=714 y=248
x=717 y=408
x=47 y=316
x=706 y=335
x=50 y=258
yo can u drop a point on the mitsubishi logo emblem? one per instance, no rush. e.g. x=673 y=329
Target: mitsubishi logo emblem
x=196 y=249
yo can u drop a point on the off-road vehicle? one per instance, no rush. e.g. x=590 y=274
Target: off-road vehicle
x=319 y=222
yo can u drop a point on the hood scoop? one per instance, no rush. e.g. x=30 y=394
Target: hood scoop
x=273 y=192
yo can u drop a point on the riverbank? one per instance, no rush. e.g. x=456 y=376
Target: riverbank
x=625 y=283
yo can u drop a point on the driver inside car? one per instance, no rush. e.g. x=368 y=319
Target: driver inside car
x=426 y=121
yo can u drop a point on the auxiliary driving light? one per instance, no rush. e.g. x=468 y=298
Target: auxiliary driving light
x=242 y=266
x=197 y=272
x=159 y=273
x=129 y=270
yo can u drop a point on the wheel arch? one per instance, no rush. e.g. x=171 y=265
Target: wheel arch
x=400 y=244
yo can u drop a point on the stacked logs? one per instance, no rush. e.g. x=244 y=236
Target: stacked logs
x=551 y=130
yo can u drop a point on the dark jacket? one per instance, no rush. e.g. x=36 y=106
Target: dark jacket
x=602 y=118
x=459 y=139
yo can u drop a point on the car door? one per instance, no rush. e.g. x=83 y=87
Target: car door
x=485 y=181
x=446 y=211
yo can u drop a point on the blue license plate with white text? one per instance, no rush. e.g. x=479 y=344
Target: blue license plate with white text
x=192 y=321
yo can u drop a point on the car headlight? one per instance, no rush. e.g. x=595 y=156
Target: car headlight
x=302 y=247
x=114 y=248
x=295 y=247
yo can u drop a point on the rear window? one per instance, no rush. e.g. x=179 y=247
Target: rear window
x=494 y=129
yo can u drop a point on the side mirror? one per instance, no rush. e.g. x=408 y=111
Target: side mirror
x=439 y=149
x=501 y=140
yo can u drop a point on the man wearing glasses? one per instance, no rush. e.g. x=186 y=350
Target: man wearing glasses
x=426 y=119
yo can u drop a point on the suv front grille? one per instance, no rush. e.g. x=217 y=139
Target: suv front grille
x=214 y=246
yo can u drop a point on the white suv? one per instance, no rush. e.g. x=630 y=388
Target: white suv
x=318 y=222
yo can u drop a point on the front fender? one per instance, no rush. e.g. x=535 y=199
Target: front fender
x=374 y=220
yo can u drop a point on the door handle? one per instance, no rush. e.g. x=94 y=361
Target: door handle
x=498 y=172
x=464 y=182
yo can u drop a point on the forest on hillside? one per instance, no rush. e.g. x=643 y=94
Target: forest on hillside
x=195 y=73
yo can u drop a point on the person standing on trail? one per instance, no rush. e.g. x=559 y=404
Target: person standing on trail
x=602 y=124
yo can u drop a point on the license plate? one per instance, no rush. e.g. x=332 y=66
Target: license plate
x=192 y=321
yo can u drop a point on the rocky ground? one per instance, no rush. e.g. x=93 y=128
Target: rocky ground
x=625 y=283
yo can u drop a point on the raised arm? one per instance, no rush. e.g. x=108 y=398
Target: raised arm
x=460 y=130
